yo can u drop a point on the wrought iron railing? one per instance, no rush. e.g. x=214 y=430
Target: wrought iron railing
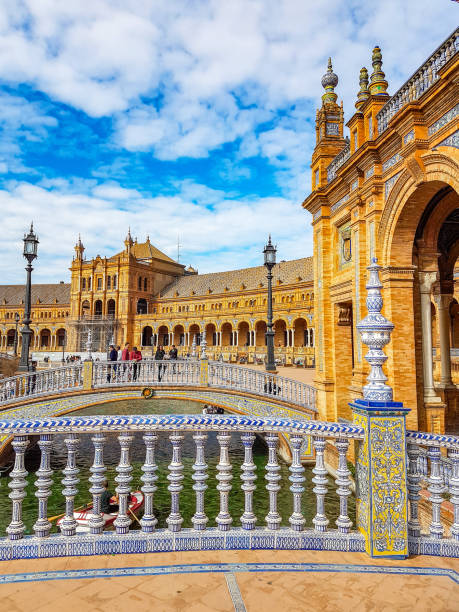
x=420 y=82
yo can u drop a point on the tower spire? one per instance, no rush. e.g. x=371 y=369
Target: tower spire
x=79 y=249
x=364 y=92
x=128 y=242
x=329 y=82
x=378 y=84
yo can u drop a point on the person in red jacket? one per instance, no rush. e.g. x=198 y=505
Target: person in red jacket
x=136 y=357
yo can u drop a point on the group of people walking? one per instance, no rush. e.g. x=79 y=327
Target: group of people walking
x=115 y=354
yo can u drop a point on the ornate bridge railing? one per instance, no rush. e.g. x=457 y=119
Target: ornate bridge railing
x=192 y=373
x=248 y=530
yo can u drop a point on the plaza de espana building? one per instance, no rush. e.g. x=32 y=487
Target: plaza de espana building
x=389 y=189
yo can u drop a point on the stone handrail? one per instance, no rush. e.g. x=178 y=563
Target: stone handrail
x=272 y=531
x=149 y=372
x=338 y=161
x=420 y=82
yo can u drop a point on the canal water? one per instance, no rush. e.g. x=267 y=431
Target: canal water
x=56 y=503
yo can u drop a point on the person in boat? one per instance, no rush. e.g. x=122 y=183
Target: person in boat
x=105 y=506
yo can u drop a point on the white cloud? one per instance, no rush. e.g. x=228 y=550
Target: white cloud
x=216 y=232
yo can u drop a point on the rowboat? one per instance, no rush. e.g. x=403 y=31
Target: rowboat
x=82 y=516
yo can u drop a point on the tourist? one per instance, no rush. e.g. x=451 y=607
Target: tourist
x=135 y=356
x=120 y=352
x=105 y=506
x=125 y=358
x=112 y=356
x=159 y=356
x=173 y=355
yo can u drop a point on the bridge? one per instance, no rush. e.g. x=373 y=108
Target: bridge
x=395 y=469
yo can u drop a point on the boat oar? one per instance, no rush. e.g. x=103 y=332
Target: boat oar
x=58 y=516
x=132 y=512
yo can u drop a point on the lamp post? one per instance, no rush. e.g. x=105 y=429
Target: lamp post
x=30 y=253
x=16 y=320
x=64 y=338
x=270 y=261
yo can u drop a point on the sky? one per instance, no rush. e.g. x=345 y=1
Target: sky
x=190 y=121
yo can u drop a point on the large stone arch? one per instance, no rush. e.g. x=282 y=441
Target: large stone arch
x=407 y=201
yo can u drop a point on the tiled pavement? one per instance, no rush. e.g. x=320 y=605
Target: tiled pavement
x=230 y=580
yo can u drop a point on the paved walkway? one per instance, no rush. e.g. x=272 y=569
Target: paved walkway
x=230 y=581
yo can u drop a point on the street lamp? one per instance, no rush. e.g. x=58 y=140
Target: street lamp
x=270 y=261
x=30 y=253
x=16 y=320
x=64 y=337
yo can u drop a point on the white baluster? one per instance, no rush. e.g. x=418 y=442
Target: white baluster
x=149 y=478
x=297 y=520
x=16 y=528
x=68 y=524
x=343 y=482
x=97 y=478
x=273 y=518
x=199 y=476
x=453 y=454
x=248 y=477
x=175 y=477
x=123 y=478
x=320 y=480
x=224 y=478
x=436 y=488
x=414 y=486
x=43 y=483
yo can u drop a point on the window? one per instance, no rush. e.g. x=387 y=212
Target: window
x=83 y=284
x=114 y=282
x=316 y=179
x=139 y=284
x=355 y=140
x=370 y=127
x=145 y=284
x=109 y=282
x=89 y=284
x=99 y=283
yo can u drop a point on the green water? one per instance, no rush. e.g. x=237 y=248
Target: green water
x=56 y=503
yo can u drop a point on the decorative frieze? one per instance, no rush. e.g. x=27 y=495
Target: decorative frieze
x=408 y=137
x=391 y=162
x=354 y=185
x=369 y=172
x=390 y=183
x=446 y=118
x=451 y=141
x=332 y=129
x=335 y=207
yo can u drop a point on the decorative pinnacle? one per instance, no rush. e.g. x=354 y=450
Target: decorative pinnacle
x=375 y=331
x=378 y=84
x=364 y=92
x=329 y=82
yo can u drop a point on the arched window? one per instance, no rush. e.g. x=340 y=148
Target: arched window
x=140 y=283
x=145 y=284
x=142 y=306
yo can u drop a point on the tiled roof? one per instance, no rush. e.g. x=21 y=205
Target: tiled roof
x=46 y=293
x=145 y=250
x=288 y=272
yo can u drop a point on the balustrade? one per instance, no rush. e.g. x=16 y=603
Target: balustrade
x=150 y=372
x=196 y=427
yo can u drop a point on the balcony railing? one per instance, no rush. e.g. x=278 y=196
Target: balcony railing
x=338 y=161
x=420 y=82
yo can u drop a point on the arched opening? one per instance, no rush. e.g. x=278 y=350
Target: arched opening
x=147 y=335
x=45 y=338
x=142 y=306
x=300 y=332
x=163 y=335
x=10 y=337
x=227 y=334
x=280 y=333
x=179 y=335
x=243 y=334
x=98 y=308
x=454 y=314
x=111 y=308
x=260 y=333
x=61 y=337
x=85 y=309
x=419 y=238
x=211 y=334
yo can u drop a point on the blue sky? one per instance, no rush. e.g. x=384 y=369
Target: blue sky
x=179 y=118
